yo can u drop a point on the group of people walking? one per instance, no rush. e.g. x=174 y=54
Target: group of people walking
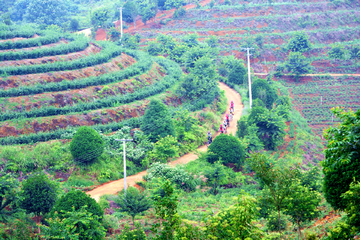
x=223 y=127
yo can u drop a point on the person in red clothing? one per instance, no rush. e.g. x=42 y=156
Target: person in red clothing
x=228 y=120
x=232 y=105
x=221 y=128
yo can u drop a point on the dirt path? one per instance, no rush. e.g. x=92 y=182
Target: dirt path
x=115 y=186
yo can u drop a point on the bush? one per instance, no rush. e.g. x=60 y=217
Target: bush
x=38 y=194
x=228 y=148
x=86 y=145
x=76 y=199
x=74 y=25
x=177 y=176
x=135 y=234
x=273 y=221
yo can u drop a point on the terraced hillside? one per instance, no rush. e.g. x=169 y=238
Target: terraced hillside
x=267 y=27
x=67 y=82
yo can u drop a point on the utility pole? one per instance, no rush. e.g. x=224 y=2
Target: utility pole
x=121 y=23
x=124 y=140
x=249 y=78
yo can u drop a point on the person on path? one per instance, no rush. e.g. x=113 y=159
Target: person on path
x=209 y=138
x=225 y=126
x=228 y=120
x=232 y=105
x=221 y=128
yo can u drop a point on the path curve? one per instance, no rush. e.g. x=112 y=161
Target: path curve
x=115 y=186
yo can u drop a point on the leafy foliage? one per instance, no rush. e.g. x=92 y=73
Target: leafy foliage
x=297 y=64
x=46 y=12
x=235 y=222
x=228 y=148
x=278 y=181
x=38 y=194
x=299 y=43
x=263 y=91
x=163 y=150
x=9 y=197
x=237 y=73
x=135 y=234
x=270 y=126
x=100 y=17
x=86 y=145
x=337 y=52
x=79 y=224
x=74 y=200
x=133 y=202
x=342 y=157
x=166 y=209
x=177 y=176
x=352 y=199
x=157 y=122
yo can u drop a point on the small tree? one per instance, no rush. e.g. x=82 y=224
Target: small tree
x=235 y=222
x=166 y=210
x=100 y=17
x=74 y=201
x=114 y=34
x=299 y=43
x=133 y=202
x=237 y=73
x=86 y=145
x=228 y=148
x=263 y=91
x=78 y=224
x=215 y=176
x=157 y=122
x=278 y=181
x=355 y=52
x=297 y=64
x=38 y=194
x=302 y=205
x=337 y=52
x=74 y=25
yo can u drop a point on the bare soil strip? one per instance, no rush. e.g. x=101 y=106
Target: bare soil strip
x=115 y=186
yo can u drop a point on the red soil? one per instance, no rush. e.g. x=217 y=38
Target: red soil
x=92 y=49
x=70 y=97
x=116 y=64
x=100 y=116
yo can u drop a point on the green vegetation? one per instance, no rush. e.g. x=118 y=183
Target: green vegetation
x=86 y=145
x=157 y=122
x=263 y=183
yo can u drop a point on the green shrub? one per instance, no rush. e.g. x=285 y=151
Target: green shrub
x=134 y=234
x=299 y=43
x=157 y=122
x=262 y=90
x=86 y=145
x=237 y=73
x=228 y=148
x=78 y=224
x=292 y=130
x=38 y=194
x=273 y=221
x=74 y=201
x=176 y=175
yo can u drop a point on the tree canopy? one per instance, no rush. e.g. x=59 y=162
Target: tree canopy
x=342 y=156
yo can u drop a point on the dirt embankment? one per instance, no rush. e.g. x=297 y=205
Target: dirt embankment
x=115 y=186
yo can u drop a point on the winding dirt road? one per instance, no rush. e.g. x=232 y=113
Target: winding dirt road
x=115 y=186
